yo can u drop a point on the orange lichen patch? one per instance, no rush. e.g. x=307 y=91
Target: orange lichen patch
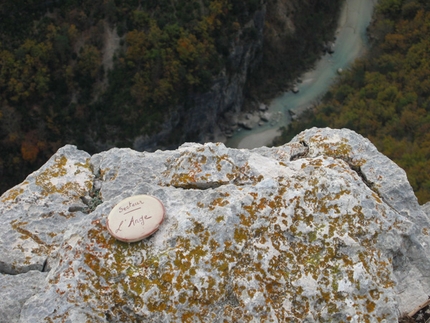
x=86 y=165
x=52 y=234
x=219 y=218
x=193 y=169
x=185 y=180
x=370 y=306
x=337 y=149
x=206 y=167
x=104 y=259
x=56 y=172
x=66 y=215
x=173 y=280
x=13 y=193
x=107 y=174
x=221 y=201
x=240 y=235
x=42 y=249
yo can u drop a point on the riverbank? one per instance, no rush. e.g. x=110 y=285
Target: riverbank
x=260 y=139
x=351 y=43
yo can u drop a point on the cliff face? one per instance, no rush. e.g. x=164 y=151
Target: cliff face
x=198 y=121
x=296 y=34
x=322 y=229
x=288 y=37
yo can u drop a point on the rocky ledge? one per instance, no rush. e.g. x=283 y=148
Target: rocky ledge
x=322 y=229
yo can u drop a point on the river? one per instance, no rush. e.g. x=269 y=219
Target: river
x=351 y=43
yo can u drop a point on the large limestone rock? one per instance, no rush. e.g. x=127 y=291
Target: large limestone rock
x=323 y=229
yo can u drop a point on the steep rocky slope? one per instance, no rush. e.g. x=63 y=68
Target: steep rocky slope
x=322 y=229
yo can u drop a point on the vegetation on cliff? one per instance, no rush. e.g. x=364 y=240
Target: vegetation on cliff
x=386 y=95
x=100 y=72
x=294 y=38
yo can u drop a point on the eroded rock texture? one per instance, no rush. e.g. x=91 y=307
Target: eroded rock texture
x=323 y=229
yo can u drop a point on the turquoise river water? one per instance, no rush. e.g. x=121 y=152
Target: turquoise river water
x=351 y=42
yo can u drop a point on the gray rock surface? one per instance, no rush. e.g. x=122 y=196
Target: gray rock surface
x=15 y=291
x=323 y=229
x=35 y=214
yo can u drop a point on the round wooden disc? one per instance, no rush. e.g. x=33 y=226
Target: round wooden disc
x=135 y=218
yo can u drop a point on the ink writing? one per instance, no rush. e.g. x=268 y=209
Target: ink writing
x=129 y=206
x=139 y=220
x=119 y=228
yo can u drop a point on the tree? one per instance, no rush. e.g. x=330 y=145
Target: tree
x=89 y=61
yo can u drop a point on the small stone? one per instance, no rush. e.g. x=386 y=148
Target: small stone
x=76 y=208
x=262 y=107
x=330 y=47
x=135 y=218
x=265 y=116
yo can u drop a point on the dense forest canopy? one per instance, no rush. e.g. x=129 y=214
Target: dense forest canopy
x=386 y=95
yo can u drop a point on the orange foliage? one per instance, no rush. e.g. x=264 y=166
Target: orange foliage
x=395 y=41
x=186 y=47
x=29 y=151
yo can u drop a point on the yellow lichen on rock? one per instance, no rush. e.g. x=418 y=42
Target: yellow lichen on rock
x=53 y=179
x=13 y=193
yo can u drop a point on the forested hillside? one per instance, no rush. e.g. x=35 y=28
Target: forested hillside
x=386 y=95
x=100 y=72
x=104 y=73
